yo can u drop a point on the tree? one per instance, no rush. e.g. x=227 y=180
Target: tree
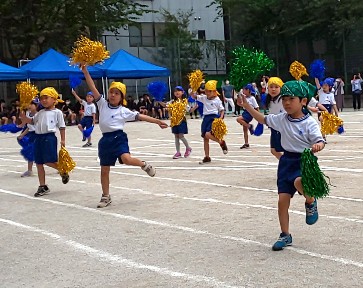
x=41 y=24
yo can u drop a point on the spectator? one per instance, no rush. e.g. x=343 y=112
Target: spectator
x=356 y=90
x=339 y=93
x=14 y=112
x=228 y=96
x=131 y=103
x=4 y=117
x=141 y=106
x=68 y=113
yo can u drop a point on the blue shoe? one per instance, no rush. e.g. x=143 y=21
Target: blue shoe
x=283 y=241
x=312 y=214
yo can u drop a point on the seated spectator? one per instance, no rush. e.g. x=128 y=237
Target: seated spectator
x=68 y=113
x=14 y=112
x=4 y=115
x=131 y=103
x=141 y=106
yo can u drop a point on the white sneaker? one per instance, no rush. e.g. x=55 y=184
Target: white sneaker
x=104 y=202
x=150 y=170
x=27 y=174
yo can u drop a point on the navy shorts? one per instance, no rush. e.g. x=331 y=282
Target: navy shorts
x=86 y=122
x=207 y=123
x=182 y=128
x=247 y=116
x=275 y=140
x=328 y=107
x=45 y=148
x=111 y=146
x=288 y=170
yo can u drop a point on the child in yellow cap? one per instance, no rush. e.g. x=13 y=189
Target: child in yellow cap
x=212 y=108
x=114 y=144
x=46 y=122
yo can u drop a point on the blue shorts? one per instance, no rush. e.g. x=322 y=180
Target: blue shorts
x=111 y=146
x=288 y=170
x=182 y=128
x=275 y=140
x=207 y=123
x=328 y=107
x=45 y=148
x=86 y=122
x=247 y=116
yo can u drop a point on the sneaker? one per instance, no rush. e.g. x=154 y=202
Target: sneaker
x=88 y=144
x=84 y=139
x=65 y=178
x=283 y=241
x=27 y=174
x=150 y=170
x=312 y=214
x=187 y=152
x=252 y=131
x=224 y=147
x=205 y=160
x=42 y=190
x=244 y=146
x=105 y=201
x=177 y=155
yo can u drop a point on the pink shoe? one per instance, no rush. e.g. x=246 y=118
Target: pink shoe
x=177 y=155
x=187 y=152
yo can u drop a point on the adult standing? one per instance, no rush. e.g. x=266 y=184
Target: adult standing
x=228 y=96
x=356 y=91
x=339 y=93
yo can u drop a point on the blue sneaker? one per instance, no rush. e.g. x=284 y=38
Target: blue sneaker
x=283 y=241
x=312 y=214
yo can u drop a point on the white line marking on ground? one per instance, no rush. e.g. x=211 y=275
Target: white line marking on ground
x=119 y=260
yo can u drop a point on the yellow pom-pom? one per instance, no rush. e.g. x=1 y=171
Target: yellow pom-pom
x=177 y=111
x=195 y=79
x=219 y=128
x=88 y=52
x=27 y=92
x=330 y=123
x=297 y=70
x=65 y=162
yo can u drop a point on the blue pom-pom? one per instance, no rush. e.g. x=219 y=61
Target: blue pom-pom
x=88 y=132
x=317 y=69
x=200 y=108
x=341 y=130
x=259 y=130
x=74 y=81
x=23 y=142
x=191 y=99
x=157 y=90
x=28 y=152
x=10 y=128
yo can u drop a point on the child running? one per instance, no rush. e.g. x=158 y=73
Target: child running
x=46 y=122
x=246 y=117
x=114 y=143
x=89 y=116
x=298 y=131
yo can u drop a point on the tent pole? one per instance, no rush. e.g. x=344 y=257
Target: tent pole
x=103 y=86
x=106 y=96
x=169 y=81
x=137 y=92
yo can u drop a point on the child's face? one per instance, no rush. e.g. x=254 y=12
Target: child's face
x=274 y=90
x=326 y=88
x=114 y=97
x=247 y=92
x=32 y=108
x=178 y=93
x=293 y=105
x=47 y=102
x=89 y=98
x=210 y=93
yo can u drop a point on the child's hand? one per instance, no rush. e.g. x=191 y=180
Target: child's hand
x=163 y=125
x=318 y=147
x=63 y=143
x=20 y=137
x=24 y=119
x=241 y=100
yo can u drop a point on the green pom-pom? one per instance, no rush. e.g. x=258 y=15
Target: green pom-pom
x=313 y=180
x=247 y=65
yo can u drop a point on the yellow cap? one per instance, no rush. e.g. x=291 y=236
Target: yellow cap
x=211 y=85
x=120 y=86
x=51 y=92
x=275 y=80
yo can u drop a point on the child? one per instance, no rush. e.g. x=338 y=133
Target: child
x=46 y=122
x=29 y=131
x=274 y=105
x=68 y=114
x=246 y=117
x=212 y=108
x=298 y=131
x=114 y=143
x=89 y=116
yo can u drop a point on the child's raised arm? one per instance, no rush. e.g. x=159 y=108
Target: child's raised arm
x=76 y=96
x=255 y=114
x=317 y=83
x=90 y=82
x=146 y=118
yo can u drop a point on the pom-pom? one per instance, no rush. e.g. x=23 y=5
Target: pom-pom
x=195 y=79
x=219 y=128
x=23 y=142
x=28 y=152
x=74 y=81
x=247 y=65
x=177 y=111
x=87 y=132
x=191 y=99
x=88 y=52
x=157 y=90
x=27 y=93
x=341 y=130
x=65 y=163
x=330 y=123
x=12 y=128
x=297 y=70
x=258 y=130
x=312 y=178
x=317 y=69
x=200 y=108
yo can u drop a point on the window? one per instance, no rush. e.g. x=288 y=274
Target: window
x=201 y=35
x=145 y=34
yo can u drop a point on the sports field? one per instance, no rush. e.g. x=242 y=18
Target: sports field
x=189 y=226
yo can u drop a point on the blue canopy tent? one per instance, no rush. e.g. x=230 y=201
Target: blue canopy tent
x=9 y=73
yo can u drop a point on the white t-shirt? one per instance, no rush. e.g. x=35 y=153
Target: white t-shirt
x=252 y=101
x=313 y=102
x=47 y=121
x=356 y=84
x=296 y=134
x=89 y=109
x=31 y=127
x=113 y=118
x=326 y=98
x=210 y=107
x=276 y=106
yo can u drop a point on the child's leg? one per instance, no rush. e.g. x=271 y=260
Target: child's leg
x=283 y=211
x=299 y=187
x=177 y=143
x=80 y=128
x=52 y=165
x=89 y=139
x=206 y=145
x=128 y=160
x=105 y=180
x=276 y=154
x=210 y=136
x=184 y=140
x=41 y=174
x=311 y=205
x=30 y=166
x=245 y=134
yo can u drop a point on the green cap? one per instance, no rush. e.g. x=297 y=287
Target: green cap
x=298 y=88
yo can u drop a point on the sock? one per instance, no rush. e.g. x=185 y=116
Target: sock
x=177 y=143
x=185 y=142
